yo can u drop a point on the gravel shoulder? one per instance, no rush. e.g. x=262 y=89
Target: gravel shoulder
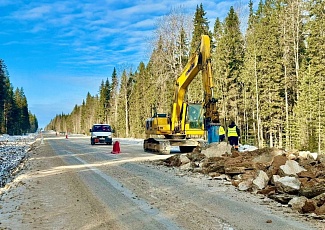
x=49 y=194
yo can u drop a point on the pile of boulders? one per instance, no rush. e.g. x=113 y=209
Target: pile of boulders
x=296 y=179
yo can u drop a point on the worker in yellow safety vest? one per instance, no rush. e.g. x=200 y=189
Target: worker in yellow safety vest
x=222 y=134
x=233 y=133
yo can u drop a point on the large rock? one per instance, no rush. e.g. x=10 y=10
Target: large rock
x=288 y=184
x=309 y=207
x=217 y=149
x=302 y=204
x=297 y=203
x=311 y=188
x=261 y=180
x=291 y=168
x=307 y=154
x=173 y=161
x=277 y=162
x=213 y=164
x=245 y=185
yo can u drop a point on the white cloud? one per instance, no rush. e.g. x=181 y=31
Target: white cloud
x=86 y=39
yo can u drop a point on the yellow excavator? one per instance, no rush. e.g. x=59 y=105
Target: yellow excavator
x=187 y=120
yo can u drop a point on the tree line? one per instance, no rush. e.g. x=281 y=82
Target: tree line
x=15 y=118
x=269 y=79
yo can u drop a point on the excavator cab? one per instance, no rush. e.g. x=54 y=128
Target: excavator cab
x=194 y=123
x=194 y=116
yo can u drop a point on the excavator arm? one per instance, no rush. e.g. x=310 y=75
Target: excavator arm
x=199 y=61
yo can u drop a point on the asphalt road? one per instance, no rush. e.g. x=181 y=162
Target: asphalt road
x=71 y=184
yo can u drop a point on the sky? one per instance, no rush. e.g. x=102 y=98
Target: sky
x=58 y=51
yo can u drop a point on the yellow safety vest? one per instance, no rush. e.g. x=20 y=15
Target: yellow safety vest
x=232 y=132
x=221 y=131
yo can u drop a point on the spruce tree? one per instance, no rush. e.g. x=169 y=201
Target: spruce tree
x=201 y=27
x=113 y=101
x=228 y=61
x=140 y=101
x=2 y=95
x=309 y=110
x=23 y=122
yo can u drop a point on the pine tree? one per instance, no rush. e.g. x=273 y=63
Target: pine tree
x=309 y=110
x=139 y=101
x=201 y=27
x=33 y=123
x=123 y=125
x=11 y=112
x=2 y=95
x=22 y=106
x=113 y=102
x=251 y=114
x=104 y=97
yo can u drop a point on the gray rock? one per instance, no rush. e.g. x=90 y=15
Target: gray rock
x=291 y=168
x=288 y=184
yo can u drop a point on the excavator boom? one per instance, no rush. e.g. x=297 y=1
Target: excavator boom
x=187 y=119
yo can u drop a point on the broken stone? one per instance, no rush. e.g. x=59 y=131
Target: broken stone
x=309 y=207
x=173 y=161
x=275 y=178
x=292 y=157
x=261 y=180
x=195 y=156
x=312 y=188
x=217 y=149
x=267 y=191
x=282 y=198
x=297 y=203
x=290 y=173
x=245 y=185
x=213 y=164
x=277 y=162
x=288 y=184
x=186 y=166
x=184 y=159
x=291 y=168
x=307 y=154
x=234 y=170
x=306 y=174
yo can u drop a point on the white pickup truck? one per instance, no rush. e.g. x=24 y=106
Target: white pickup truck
x=101 y=133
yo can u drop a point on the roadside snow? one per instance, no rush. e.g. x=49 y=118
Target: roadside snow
x=13 y=151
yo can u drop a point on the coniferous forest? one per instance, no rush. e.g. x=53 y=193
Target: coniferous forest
x=269 y=77
x=15 y=118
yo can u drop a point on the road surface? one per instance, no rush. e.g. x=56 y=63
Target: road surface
x=70 y=184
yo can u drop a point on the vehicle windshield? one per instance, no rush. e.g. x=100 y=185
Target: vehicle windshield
x=101 y=128
x=194 y=117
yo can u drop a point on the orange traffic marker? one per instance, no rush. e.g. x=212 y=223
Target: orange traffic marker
x=116 y=148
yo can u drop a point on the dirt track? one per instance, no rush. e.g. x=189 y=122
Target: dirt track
x=69 y=184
